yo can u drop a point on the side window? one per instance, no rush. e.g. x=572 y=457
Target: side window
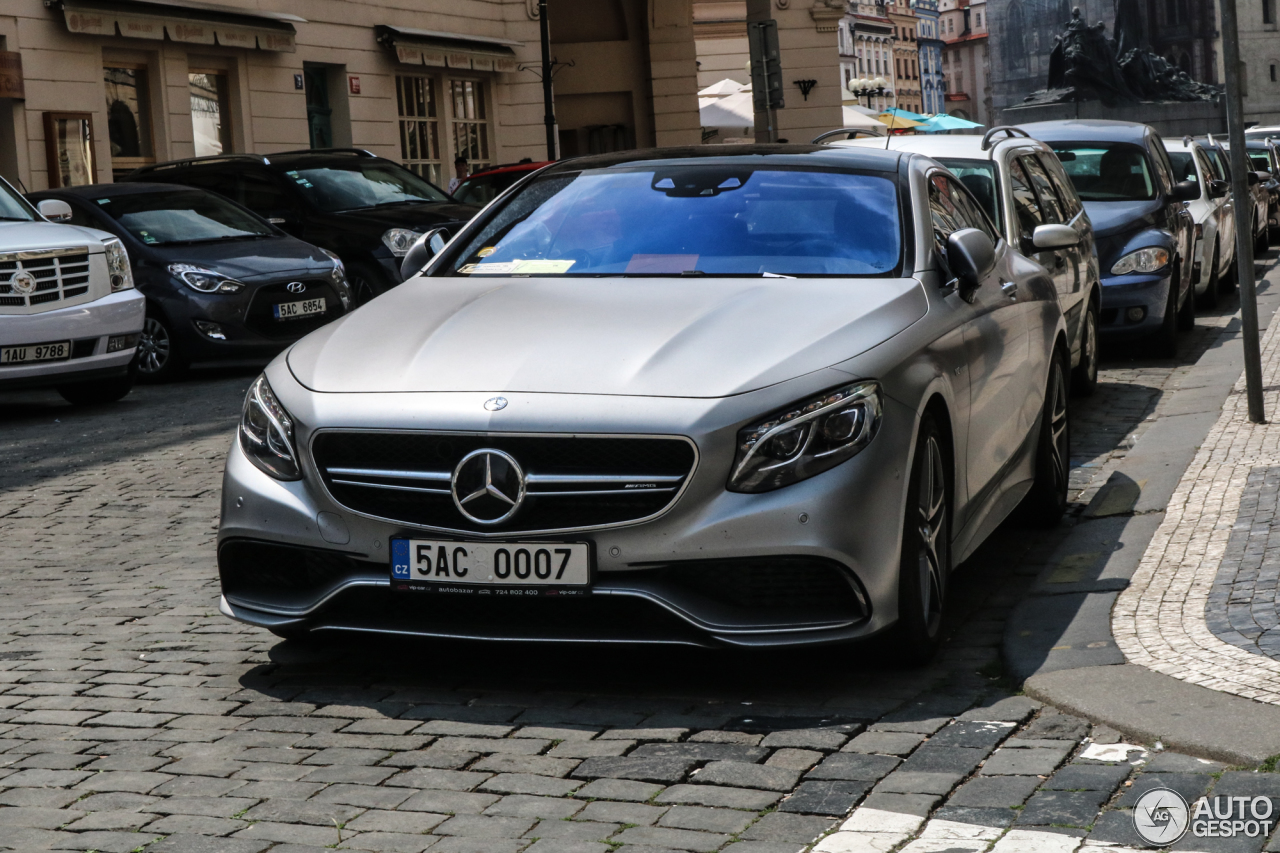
x=1050 y=206
x=1067 y=193
x=970 y=211
x=81 y=217
x=1025 y=205
x=946 y=220
x=261 y=193
x=1206 y=168
x=1163 y=169
x=204 y=180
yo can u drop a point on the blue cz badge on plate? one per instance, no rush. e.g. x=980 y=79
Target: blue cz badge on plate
x=400 y=559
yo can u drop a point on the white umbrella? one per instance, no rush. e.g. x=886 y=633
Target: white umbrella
x=732 y=111
x=721 y=89
x=853 y=118
x=861 y=109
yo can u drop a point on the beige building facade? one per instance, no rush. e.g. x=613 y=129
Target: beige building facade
x=90 y=89
x=966 y=59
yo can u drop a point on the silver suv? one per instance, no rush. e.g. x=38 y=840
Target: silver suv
x=69 y=314
x=1021 y=185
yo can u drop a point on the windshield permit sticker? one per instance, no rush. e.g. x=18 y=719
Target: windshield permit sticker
x=675 y=264
x=486 y=251
x=104 y=201
x=527 y=267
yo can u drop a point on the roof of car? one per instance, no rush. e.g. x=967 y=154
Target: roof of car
x=316 y=157
x=1087 y=130
x=112 y=190
x=510 y=167
x=779 y=154
x=968 y=146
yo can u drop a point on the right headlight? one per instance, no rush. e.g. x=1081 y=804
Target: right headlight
x=1143 y=260
x=400 y=240
x=266 y=433
x=806 y=439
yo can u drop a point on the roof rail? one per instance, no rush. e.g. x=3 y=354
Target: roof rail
x=1008 y=130
x=357 y=152
x=175 y=164
x=1187 y=141
x=845 y=130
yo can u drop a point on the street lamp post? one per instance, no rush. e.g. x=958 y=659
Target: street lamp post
x=866 y=87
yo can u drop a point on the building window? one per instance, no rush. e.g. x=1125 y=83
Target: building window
x=416 y=103
x=1268 y=12
x=1273 y=72
x=470 y=122
x=128 y=117
x=210 y=112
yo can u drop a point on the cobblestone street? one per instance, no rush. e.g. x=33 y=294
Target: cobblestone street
x=133 y=715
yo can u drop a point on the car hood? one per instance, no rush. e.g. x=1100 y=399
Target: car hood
x=1117 y=217
x=248 y=260
x=48 y=235
x=635 y=337
x=419 y=217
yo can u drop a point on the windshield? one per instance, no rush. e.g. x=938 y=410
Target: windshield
x=1108 y=173
x=181 y=216
x=482 y=189
x=1219 y=163
x=713 y=219
x=13 y=206
x=980 y=177
x=359 y=186
x=1184 y=166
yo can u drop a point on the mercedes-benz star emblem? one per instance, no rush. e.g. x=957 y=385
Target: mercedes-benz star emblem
x=295 y=287
x=488 y=486
x=495 y=404
x=23 y=283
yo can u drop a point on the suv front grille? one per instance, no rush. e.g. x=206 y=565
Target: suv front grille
x=59 y=274
x=572 y=481
x=261 y=318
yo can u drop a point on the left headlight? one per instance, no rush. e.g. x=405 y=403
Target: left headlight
x=339 y=276
x=266 y=433
x=806 y=438
x=118 y=265
x=400 y=240
x=205 y=280
x=1143 y=260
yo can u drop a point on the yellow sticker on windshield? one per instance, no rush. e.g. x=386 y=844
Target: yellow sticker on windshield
x=486 y=251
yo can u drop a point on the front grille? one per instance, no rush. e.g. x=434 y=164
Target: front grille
x=261 y=318
x=59 y=274
x=572 y=481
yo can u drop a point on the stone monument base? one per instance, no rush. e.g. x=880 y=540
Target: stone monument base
x=1171 y=119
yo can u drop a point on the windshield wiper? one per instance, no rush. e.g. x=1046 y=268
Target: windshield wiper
x=15 y=219
x=216 y=239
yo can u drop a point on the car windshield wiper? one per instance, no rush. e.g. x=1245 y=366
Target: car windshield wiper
x=221 y=239
x=15 y=219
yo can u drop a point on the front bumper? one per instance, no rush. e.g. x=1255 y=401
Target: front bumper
x=1149 y=292
x=291 y=558
x=87 y=326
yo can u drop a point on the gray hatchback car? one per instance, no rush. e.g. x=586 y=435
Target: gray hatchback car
x=766 y=398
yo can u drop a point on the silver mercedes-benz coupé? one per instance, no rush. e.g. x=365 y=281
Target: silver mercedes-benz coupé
x=767 y=397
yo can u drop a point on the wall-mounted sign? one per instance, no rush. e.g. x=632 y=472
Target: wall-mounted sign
x=11 y=75
x=353 y=83
x=298 y=82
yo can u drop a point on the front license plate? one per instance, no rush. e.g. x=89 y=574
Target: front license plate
x=36 y=352
x=289 y=310
x=491 y=568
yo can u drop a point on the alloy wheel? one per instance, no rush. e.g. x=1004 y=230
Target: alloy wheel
x=1090 y=346
x=1059 y=449
x=154 y=347
x=932 y=521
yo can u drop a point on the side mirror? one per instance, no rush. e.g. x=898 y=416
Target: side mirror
x=1185 y=191
x=1252 y=178
x=421 y=252
x=1218 y=189
x=1054 y=237
x=55 y=210
x=971 y=256
x=1262 y=177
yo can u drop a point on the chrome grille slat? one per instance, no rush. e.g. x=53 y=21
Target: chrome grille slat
x=56 y=271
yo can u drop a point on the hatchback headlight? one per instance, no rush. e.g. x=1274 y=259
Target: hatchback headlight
x=1143 y=260
x=118 y=265
x=339 y=277
x=205 y=280
x=806 y=439
x=266 y=433
x=400 y=240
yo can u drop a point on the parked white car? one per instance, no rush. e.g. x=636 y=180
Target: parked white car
x=1215 y=251
x=1021 y=185
x=70 y=317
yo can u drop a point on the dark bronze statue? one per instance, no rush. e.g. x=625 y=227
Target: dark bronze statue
x=1085 y=65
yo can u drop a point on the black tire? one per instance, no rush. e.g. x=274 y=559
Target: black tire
x=159 y=357
x=366 y=283
x=1084 y=379
x=1045 y=504
x=97 y=393
x=1187 y=313
x=1166 y=337
x=1260 y=242
x=1209 y=299
x=1227 y=282
x=926 y=550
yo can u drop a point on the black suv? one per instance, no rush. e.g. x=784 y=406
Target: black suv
x=365 y=209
